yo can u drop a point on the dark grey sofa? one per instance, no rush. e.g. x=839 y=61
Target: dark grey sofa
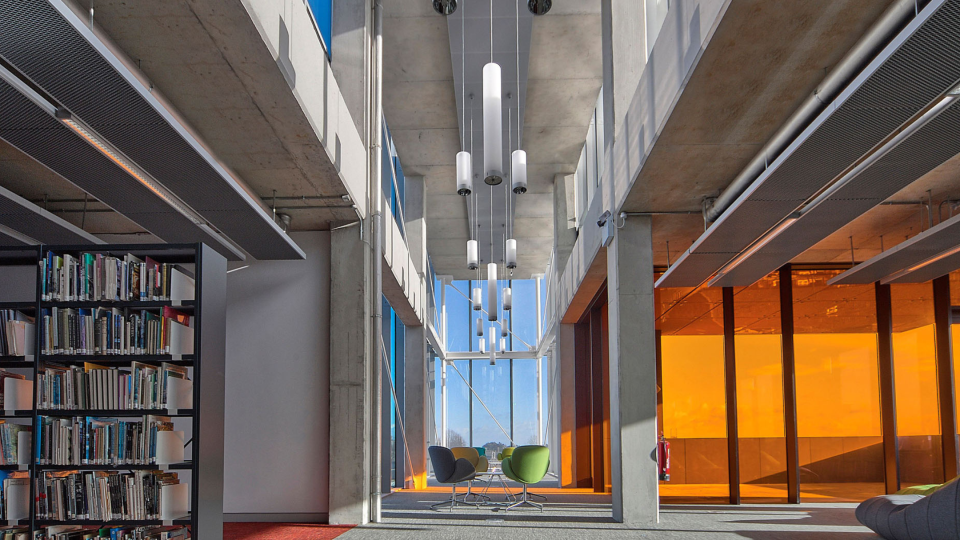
x=914 y=517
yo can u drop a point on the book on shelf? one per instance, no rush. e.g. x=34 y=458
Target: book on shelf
x=98 y=387
x=112 y=532
x=99 y=277
x=110 y=330
x=11 y=442
x=16 y=333
x=110 y=495
x=4 y=375
x=15 y=533
x=14 y=495
x=88 y=440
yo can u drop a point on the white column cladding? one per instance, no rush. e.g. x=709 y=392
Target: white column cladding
x=633 y=371
x=415 y=419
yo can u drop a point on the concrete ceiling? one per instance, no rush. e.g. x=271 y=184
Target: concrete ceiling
x=420 y=103
x=208 y=62
x=763 y=61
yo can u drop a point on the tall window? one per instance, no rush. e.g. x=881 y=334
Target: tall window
x=838 y=394
x=322 y=11
x=690 y=325
x=759 y=366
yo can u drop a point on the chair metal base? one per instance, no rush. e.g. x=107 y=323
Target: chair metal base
x=525 y=500
x=537 y=495
x=454 y=502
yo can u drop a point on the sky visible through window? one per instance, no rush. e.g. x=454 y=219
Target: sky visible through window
x=514 y=409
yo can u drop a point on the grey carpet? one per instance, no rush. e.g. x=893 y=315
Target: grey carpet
x=589 y=516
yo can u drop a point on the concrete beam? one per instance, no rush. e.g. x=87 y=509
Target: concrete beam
x=633 y=374
x=351 y=379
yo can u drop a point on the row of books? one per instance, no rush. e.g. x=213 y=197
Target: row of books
x=113 y=532
x=101 y=441
x=17 y=335
x=10 y=442
x=96 y=277
x=97 y=387
x=15 y=533
x=110 y=495
x=115 y=331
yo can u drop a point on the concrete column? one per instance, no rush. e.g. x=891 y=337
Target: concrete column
x=633 y=374
x=415 y=419
x=351 y=378
x=414 y=203
x=564 y=227
x=565 y=406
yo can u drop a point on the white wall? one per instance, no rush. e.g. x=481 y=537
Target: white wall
x=277 y=387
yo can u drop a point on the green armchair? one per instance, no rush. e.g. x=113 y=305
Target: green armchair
x=527 y=465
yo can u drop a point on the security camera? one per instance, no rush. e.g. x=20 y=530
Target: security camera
x=603 y=218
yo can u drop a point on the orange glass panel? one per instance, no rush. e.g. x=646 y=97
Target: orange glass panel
x=838 y=396
x=694 y=402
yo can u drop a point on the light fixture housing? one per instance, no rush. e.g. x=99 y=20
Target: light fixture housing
x=507 y=299
x=479 y=327
x=483 y=346
x=539 y=7
x=518 y=171
x=492 y=125
x=477 y=299
x=464 y=174
x=492 y=291
x=493 y=348
x=511 y=253
x=503 y=331
x=473 y=255
x=503 y=344
x=446 y=7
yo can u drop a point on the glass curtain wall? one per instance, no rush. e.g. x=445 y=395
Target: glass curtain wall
x=915 y=384
x=838 y=395
x=690 y=326
x=759 y=367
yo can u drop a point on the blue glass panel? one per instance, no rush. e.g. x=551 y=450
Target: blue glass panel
x=322 y=11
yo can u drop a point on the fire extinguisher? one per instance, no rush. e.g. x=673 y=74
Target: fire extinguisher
x=663 y=459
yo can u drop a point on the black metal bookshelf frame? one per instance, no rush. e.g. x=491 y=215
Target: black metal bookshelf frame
x=206 y=435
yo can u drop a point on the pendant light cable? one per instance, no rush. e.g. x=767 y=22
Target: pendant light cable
x=519 y=136
x=463 y=82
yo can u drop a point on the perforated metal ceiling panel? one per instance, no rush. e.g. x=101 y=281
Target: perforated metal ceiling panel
x=918 y=249
x=51 y=46
x=919 y=65
x=931 y=145
x=29 y=128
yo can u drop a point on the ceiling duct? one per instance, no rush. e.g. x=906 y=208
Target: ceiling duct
x=51 y=45
x=24 y=223
x=909 y=74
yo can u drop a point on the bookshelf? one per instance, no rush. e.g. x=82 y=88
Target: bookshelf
x=204 y=363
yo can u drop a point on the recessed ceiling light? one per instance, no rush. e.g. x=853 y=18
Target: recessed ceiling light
x=446 y=7
x=539 y=7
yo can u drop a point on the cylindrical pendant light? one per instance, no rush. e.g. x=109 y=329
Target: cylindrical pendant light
x=473 y=255
x=503 y=330
x=503 y=344
x=518 y=169
x=507 y=299
x=492 y=125
x=511 y=253
x=493 y=348
x=477 y=299
x=483 y=346
x=492 y=291
x=465 y=174
x=479 y=327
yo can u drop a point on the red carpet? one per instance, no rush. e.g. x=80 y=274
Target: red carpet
x=281 y=531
